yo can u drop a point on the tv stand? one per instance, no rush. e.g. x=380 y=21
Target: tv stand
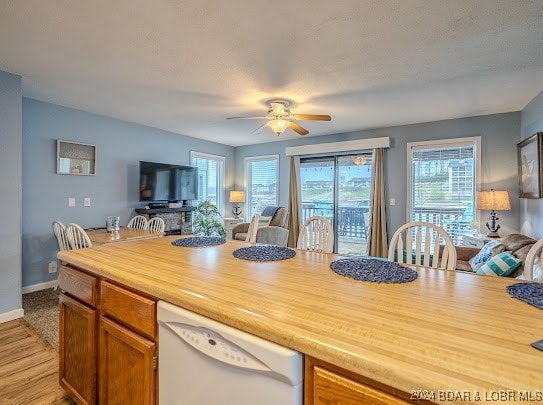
x=178 y=220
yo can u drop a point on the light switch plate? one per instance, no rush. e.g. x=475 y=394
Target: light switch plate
x=71 y=202
x=87 y=202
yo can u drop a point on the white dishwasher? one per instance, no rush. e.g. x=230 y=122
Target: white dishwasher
x=204 y=362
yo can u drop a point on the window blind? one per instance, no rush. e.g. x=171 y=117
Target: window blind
x=443 y=186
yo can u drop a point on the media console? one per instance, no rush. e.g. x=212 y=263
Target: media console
x=178 y=220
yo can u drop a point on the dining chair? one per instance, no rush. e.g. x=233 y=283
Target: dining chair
x=156 y=224
x=316 y=235
x=138 y=222
x=422 y=246
x=533 y=264
x=62 y=240
x=77 y=237
x=253 y=229
x=60 y=233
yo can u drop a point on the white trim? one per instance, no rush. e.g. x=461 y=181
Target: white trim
x=39 y=287
x=470 y=140
x=11 y=315
x=335 y=147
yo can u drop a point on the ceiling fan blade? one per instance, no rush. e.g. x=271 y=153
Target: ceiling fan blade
x=315 y=117
x=295 y=127
x=246 y=118
x=256 y=131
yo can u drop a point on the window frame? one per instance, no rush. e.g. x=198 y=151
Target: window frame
x=247 y=174
x=474 y=141
x=220 y=181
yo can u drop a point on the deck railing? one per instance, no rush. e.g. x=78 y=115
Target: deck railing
x=353 y=220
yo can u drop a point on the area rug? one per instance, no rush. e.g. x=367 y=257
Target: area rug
x=41 y=314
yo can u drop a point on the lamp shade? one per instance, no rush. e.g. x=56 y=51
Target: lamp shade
x=493 y=200
x=237 y=196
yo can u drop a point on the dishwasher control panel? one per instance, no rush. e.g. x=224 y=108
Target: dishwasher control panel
x=215 y=346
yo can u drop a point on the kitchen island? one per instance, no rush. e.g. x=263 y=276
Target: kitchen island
x=445 y=337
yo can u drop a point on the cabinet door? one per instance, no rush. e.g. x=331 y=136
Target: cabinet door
x=326 y=384
x=77 y=367
x=126 y=366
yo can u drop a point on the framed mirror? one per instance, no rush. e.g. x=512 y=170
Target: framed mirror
x=76 y=158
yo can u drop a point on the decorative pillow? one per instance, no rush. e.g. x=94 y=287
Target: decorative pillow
x=489 y=250
x=264 y=221
x=503 y=264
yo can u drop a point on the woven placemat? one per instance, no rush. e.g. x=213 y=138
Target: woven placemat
x=199 y=241
x=265 y=253
x=374 y=270
x=530 y=293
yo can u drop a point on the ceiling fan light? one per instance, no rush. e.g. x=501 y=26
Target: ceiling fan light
x=278 y=126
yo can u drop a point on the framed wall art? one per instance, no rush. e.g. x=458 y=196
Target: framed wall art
x=530 y=166
x=76 y=158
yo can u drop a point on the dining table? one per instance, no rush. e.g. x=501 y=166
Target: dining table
x=124 y=234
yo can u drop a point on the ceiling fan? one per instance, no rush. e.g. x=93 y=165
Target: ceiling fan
x=280 y=118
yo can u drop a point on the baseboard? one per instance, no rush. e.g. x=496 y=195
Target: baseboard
x=38 y=287
x=11 y=315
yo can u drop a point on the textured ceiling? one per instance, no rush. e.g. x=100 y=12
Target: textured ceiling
x=186 y=65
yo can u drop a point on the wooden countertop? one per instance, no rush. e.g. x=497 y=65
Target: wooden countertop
x=445 y=331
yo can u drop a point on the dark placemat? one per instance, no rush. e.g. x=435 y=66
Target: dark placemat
x=374 y=270
x=530 y=293
x=264 y=253
x=199 y=241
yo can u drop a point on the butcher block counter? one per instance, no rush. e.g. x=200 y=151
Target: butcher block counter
x=447 y=336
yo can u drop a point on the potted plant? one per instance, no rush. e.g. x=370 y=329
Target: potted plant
x=207 y=220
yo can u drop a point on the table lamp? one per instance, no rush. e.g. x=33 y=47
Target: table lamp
x=493 y=201
x=237 y=197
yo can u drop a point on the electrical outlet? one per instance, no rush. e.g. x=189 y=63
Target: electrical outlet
x=87 y=202
x=71 y=202
x=392 y=201
x=53 y=267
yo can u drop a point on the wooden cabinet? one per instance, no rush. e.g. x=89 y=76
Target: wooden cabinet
x=327 y=384
x=127 y=366
x=110 y=332
x=77 y=368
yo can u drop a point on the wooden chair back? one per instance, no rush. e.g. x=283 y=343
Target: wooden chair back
x=138 y=222
x=422 y=246
x=535 y=253
x=77 y=237
x=156 y=224
x=253 y=228
x=317 y=235
x=60 y=233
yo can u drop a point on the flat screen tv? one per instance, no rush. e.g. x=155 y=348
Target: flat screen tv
x=166 y=182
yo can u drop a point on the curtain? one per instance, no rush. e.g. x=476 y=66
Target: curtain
x=378 y=238
x=294 y=201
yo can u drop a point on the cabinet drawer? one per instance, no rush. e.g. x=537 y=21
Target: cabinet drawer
x=80 y=285
x=129 y=308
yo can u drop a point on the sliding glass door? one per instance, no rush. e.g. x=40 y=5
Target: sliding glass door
x=339 y=189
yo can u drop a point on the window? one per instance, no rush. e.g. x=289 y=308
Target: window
x=442 y=178
x=210 y=178
x=261 y=179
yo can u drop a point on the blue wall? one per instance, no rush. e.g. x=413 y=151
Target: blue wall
x=499 y=135
x=10 y=196
x=113 y=190
x=531 y=210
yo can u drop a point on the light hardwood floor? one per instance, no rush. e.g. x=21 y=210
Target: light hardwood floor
x=28 y=368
